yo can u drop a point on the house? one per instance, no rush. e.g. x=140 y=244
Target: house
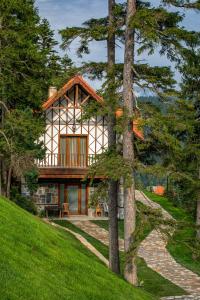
x=71 y=146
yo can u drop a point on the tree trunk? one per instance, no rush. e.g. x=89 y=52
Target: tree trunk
x=130 y=272
x=198 y=219
x=8 y=184
x=114 y=262
x=198 y=215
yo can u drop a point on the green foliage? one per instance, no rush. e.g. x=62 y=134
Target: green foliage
x=31 y=179
x=100 y=194
x=184 y=4
x=22 y=201
x=171 y=150
x=26 y=46
x=111 y=165
x=29 y=64
x=18 y=143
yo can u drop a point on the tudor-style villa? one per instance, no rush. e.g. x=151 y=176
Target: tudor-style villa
x=71 y=146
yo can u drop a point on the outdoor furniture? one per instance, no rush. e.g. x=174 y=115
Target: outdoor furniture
x=65 y=209
x=52 y=209
x=98 y=211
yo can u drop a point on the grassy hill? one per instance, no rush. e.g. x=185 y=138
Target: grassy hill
x=40 y=262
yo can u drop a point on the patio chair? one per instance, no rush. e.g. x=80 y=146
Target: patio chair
x=98 y=211
x=65 y=209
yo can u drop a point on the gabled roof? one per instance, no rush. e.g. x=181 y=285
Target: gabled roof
x=75 y=80
x=79 y=80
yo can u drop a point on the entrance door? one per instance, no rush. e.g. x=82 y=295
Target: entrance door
x=73 y=198
x=76 y=197
x=73 y=151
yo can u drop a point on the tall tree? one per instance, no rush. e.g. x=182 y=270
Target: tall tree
x=130 y=272
x=191 y=91
x=113 y=184
x=26 y=44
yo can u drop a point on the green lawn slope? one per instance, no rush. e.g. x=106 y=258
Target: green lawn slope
x=40 y=262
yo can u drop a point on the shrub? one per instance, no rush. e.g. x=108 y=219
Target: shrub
x=25 y=202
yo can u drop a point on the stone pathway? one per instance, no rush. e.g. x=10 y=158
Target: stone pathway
x=153 y=251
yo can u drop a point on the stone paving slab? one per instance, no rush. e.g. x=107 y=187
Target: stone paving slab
x=186 y=297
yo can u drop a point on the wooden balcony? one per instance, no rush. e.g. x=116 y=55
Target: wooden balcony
x=58 y=166
x=64 y=166
x=56 y=160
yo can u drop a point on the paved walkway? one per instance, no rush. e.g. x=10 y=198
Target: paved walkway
x=153 y=251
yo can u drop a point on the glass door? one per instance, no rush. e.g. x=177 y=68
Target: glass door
x=76 y=197
x=73 y=199
x=73 y=151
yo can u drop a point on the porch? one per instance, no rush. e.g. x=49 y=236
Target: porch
x=82 y=218
x=67 y=197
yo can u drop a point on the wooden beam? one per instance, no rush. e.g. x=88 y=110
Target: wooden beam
x=67 y=98
x=86 y=98
x=58 y=107
x=76 y=95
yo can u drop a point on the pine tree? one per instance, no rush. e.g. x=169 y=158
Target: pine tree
x=130 y=272
x=191 y=91
x=113 y=184
x=26 y=46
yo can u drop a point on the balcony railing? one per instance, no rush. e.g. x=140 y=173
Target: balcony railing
x=55 y=160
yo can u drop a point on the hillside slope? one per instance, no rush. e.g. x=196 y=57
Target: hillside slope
x=38 y=262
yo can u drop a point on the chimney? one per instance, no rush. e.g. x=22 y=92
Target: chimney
x=52 y=91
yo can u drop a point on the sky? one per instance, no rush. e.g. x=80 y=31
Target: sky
x=64 y=13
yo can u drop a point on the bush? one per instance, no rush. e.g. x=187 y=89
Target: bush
x=25 y=203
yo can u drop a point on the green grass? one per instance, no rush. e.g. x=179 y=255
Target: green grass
x=176 y=212
x=180 y=244
x=150 y=281
x=39 y=262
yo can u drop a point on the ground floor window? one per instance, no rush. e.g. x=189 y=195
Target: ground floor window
x=47 y=194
